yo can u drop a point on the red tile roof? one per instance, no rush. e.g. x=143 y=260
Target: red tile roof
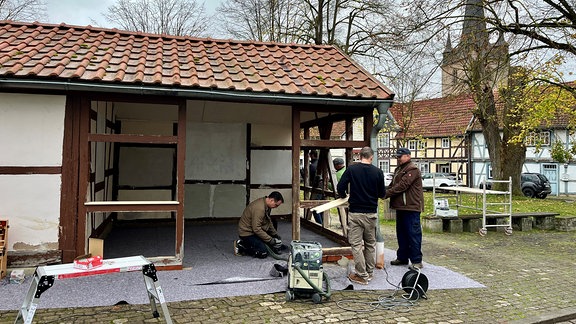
x=89 y=54
x=449 y=116
x=438 y=117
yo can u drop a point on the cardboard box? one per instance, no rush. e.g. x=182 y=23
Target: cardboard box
x=87 y=262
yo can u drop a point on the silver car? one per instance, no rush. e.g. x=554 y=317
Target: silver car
x=438 y=179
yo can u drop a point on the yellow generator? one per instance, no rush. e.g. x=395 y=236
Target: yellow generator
x=305 y=273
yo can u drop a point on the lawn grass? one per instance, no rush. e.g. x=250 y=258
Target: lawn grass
x=562 y=205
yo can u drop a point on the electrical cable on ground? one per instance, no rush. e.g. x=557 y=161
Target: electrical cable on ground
x=392 y=302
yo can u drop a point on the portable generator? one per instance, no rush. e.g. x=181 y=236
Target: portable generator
x=305 y=272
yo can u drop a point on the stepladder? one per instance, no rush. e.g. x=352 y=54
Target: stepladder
x=45 y=277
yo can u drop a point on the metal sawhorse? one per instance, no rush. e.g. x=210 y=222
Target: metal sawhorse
x=45 y=276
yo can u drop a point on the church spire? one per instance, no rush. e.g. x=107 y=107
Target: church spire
x=474 y=26
x=448 y=46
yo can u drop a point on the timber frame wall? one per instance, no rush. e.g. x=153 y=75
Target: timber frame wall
x=301 y=141
x=76 y=174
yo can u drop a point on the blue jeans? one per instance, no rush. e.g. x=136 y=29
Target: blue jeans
x=254 y=246
x=409 y=235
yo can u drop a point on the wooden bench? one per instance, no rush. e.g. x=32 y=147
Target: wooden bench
x=473 y=222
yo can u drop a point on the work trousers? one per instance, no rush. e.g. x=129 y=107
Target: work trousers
x=409 y=235
x=254 y=246
x=362 y=239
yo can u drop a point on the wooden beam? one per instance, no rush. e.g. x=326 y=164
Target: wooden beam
x=326 y=119
x=180 y=178
x=69 y=189
x=30 y=170
x=296 y=173
x=123 y=138
x=307 y=144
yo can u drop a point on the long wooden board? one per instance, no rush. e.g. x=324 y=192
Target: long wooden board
x=330 y=205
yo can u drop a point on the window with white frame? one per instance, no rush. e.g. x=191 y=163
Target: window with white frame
x=412 y=145
x=444 y=168
x=383 y=139
x=384 y=166
x=422 y=144
x=445 y=142
x=538 y=138
x=424 y=167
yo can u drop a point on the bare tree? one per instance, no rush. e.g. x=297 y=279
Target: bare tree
x=355 y=26
x=24 y=10
x=530 y=26
x=173 y=17
x=260 y=20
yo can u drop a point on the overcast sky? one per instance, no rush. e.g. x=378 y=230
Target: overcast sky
x=89 y=12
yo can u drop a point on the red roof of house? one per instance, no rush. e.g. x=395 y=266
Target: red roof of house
x=89 y=54
x=448 y=116
x=438 y=117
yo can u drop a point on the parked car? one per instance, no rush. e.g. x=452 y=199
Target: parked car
x=533 y=185
x=439 y=179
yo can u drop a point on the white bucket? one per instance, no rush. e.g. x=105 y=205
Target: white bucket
x=379 y=255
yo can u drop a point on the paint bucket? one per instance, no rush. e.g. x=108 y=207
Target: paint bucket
x=379 y=255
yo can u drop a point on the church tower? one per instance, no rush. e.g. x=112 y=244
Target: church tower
x=474 y=46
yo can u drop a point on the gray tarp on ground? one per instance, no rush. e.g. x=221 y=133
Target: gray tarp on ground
x=211 y=270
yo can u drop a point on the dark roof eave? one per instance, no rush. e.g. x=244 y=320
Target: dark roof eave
x=196 y=93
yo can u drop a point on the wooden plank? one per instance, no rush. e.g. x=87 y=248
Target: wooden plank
x=330 y=205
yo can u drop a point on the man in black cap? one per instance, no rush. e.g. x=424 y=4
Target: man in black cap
x=407 y=198
x=340 y=167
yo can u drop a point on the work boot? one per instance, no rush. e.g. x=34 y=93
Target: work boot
x=398 y=262
x=238 y=248
x=357 y=279
x=417 y=266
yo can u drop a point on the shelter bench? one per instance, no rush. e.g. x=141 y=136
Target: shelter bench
x=473 y=222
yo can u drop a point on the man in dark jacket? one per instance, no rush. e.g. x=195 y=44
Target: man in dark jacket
x=256 y=229
x=366 y=186
x=407 y=198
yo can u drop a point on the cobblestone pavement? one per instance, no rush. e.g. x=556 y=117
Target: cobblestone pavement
x=529 y=278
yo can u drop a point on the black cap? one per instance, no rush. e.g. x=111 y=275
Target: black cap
x=402 y=151
x=338 y=161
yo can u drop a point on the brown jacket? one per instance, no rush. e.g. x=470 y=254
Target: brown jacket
x=256 y=220
x=405 y=190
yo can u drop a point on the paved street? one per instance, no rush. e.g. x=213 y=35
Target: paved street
x=529 y=276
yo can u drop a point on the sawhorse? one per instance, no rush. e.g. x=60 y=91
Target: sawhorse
x=45 y=276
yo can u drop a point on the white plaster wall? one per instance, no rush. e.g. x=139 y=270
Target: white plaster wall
x=31 y=129
x=271 y=167
x=229 y=112
x=218 y=201
x=215 y=151
x=31 y=134
x=271 y=135
x=31 y=203
x=145 y=112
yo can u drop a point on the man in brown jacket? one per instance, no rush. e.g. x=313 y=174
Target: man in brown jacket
x=256 y=229
x=407 y=198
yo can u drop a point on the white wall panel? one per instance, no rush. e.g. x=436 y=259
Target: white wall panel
x=31 y=129
x=31 y=203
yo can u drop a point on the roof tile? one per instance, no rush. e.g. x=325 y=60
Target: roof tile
x=438 y=117
x=35 y=50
